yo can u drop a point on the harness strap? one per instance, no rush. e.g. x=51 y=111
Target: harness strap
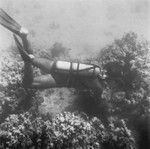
x=78 y=68
x=77 y=75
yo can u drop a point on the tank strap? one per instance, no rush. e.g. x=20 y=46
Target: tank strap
x=93 y=70
x=77 y=75
x=69 y=81
x=73 y=81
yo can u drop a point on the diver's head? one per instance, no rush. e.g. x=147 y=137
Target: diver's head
x=103 y=74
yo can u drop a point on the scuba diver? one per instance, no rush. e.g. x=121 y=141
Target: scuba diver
x=57 y=73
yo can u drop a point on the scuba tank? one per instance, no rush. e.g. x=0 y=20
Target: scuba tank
x=73 y=68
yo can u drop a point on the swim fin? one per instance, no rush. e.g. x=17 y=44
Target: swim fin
x=11 y=24
x=25 y=56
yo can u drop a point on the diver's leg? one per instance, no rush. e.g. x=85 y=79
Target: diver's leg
x=43 y=82
x=25 y=41
x=28 y=70
x=28 y=75
x=42 y=63
x=38 y=82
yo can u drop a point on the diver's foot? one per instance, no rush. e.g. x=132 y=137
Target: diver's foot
x=23 y=31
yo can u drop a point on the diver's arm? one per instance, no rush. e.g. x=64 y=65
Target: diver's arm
x=26 y=44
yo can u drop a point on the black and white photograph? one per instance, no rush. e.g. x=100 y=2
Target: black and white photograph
x=74 y=74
